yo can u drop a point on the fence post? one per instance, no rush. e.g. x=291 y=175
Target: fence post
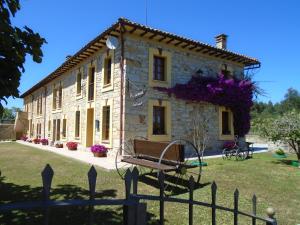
x=92 y=177
x=161 y=180
x=236 y=206
x=213 y=203
x=191 y=198
x=47 y=176
x=271 y=216
x=126 y=216
x=254 y=210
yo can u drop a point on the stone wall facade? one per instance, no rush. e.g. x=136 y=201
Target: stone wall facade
x=184 y=64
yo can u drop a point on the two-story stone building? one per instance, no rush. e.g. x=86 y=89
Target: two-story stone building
x=102 y=95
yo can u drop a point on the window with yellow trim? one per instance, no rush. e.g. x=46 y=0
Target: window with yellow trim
x=159 y=68
x=78 y=84
x=108 y=71
x=106 y=122
x=226 y=130
x=159 y=120
x=64 y=128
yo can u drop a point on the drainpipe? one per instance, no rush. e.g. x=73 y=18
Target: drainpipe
x=122 y=84
x=45 y=95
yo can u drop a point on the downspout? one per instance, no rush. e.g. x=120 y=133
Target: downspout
x=45 y=88
x=122 y=85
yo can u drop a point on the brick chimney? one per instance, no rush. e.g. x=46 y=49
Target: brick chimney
x=221 y=41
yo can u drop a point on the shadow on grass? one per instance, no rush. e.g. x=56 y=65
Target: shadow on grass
x=74 y=215
x=175 y=185
x=287 y=162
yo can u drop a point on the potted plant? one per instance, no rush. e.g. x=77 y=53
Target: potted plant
x=279 y=153
x=36 y=140
x=44 y=141
x=59 y=145
x=99 y=150
x=29 y=140
x=72 y=145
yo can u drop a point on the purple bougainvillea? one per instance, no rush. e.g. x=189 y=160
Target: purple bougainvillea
x=232 y=93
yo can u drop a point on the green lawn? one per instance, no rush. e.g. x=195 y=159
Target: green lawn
x=275 y=183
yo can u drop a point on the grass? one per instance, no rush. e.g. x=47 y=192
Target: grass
x=275 y=183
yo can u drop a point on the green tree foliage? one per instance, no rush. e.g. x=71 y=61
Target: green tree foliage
x=285 y=128
x=10 y=113
x=15 y=44
x=290 y=102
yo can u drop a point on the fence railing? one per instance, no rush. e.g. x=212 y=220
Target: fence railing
x=134 y=212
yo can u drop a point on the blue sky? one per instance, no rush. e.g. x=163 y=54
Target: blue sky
x=267 y=30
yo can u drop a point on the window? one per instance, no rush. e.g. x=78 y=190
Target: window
x=107 y=71
x=159 y=120
x=159 y=68
x=57 y=97
x=49 y=128
x=77 y=124
x=226 y=124
x=54 y=97
x=64 y=128
x=91 y=84
x=106 y=123
x=30 y=128
x=39 y=105
x=38 y=130
x=58 y=129
x=78 y=84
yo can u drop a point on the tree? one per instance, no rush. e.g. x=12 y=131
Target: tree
x=15 y=44
x=10 y=114
x=283 y=129
x=200 y=126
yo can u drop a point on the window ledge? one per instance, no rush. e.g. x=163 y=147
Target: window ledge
x=78 y=96
x=226 y=137
x=57 y=111
x=107 y=87
x=158 y=83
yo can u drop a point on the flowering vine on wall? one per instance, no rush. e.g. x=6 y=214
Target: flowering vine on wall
x=232 y=93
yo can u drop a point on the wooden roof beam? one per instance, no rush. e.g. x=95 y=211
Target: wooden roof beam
x=163 y=38
x=184 y=46
x=132 y=30
x=193 y=47
x=152 y=36
x=144 y=33
x=178 y=43
x=169 y=41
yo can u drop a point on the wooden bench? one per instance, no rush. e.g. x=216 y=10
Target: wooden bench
x=148 y=154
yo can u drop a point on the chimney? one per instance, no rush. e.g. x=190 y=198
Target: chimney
x=221 y=41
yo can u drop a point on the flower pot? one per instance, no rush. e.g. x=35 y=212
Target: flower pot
x=72 y=149
x=44 y=143
x=59 y=145
x=100 y=154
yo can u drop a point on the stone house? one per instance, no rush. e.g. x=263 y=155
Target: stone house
x=106 y=96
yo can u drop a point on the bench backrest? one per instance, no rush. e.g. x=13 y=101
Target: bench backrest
x=154 y=149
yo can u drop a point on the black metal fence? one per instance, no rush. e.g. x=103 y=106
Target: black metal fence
x=134 y=212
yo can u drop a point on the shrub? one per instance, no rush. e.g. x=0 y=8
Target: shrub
x=279 y=152
x=72 y=145
x=99 y=149
x=44 y=141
